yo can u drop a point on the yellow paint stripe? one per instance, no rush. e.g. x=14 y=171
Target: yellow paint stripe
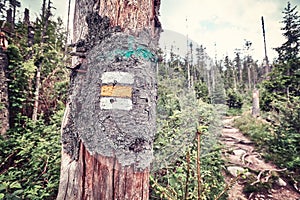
x=116 y=91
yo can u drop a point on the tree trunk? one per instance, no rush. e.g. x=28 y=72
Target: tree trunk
x=4 y=113
x=234 y=79
x=39 y=62
x=37 y=92
x=208 y=83
x=255 y=103
x=249 y=77
x=109 y=123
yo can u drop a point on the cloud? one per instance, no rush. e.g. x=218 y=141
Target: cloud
x=35 y=7
x=227 y=23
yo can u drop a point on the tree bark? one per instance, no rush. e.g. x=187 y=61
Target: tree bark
x=255 y=103
x=109 y=123
x=4 y=104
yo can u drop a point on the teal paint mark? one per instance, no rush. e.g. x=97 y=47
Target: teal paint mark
x=139 y=52
x=132 y=51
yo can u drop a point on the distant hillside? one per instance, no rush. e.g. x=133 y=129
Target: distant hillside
x=179 y=42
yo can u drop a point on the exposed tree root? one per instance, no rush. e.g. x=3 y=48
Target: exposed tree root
x=265 y=179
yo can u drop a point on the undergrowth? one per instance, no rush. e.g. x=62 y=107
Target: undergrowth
x=274 y=142
x=260 y=132
x=30 y=160
x=180 y=118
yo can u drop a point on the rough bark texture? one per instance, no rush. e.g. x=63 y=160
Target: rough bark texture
x=109 y=124
x=130 y=15
x=94 y=177
x=4 y=114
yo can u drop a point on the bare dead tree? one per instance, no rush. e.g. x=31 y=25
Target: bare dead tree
x=255 y=103
x=109 y=123
x=46 y=15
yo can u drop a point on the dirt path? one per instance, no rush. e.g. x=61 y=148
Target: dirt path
x=261 y=179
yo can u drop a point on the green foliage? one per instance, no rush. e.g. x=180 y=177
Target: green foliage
x=23 y=61
x=285 y=146
x=284 y=81
x=174 y=170
x=201 y=91
x=30 y=160
x=234 y=99
x=280 y=96
x=228 y=74
x=280 y=140
x=280 y=85
x=234 y=112
x=259 y=132
x=20 y=74
x=30 y=150
x=290 y=49
x=218 y=91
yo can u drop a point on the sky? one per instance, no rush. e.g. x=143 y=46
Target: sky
x=223 y=26
x=220 y=26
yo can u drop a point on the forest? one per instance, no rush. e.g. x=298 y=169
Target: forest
x=195 y=95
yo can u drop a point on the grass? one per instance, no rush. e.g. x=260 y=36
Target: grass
x=266 y=141
x=256 y=129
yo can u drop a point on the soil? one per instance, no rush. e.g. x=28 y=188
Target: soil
x=260 y=178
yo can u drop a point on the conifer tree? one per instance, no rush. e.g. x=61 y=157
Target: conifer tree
x=285 y=78
x=289 y=51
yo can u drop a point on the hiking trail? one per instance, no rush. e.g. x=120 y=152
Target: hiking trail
x=246 y=169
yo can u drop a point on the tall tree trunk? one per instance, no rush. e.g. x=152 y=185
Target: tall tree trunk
x=255 y=103
x=213 y=79
x=234 y=79
x=4 y=113
x=249 y=76
x=208 y=83
x=109 y=123
x=39 y=63
x=37 y=91
x=189 y=74
x=267 y=66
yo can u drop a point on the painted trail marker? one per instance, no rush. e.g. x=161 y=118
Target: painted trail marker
x=119 y=77
x=116 y=90
x=114 y=103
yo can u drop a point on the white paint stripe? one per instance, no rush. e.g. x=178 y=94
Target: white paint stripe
x=119 y=77
x=114 y=103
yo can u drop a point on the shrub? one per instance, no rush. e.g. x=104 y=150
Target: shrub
x=234 y=99
x=30 y=158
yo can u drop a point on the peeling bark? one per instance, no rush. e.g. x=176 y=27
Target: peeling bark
x=109 y=124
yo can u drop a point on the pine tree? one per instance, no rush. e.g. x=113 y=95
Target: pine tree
x=285 y=78
x=289 y=51
x=282 y=91
x=238 y=66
